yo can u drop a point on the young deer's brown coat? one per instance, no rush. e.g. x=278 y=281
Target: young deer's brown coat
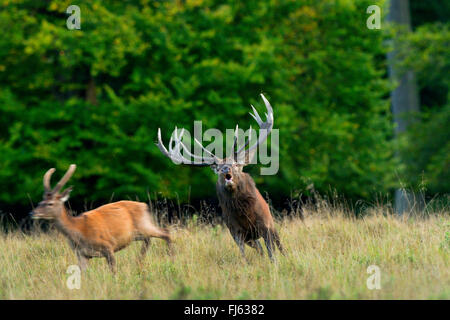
x=102 y=231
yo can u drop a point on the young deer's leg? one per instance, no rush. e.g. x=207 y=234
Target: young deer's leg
x=144 y=248
x=109 y=255
x=82 y=260
x=162 y=234
x=165 y=236
x=149 y=230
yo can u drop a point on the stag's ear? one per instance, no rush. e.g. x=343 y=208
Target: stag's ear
x=66 y=194
x=214 y=167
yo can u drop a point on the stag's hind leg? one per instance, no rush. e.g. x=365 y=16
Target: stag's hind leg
x=256 y=245
x=269 y=240
x=276 y=238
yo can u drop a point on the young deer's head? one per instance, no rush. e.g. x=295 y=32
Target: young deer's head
x=229 y=169
x=52 y=204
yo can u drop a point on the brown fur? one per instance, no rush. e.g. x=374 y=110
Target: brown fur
x=246 y=213
x=105 y=230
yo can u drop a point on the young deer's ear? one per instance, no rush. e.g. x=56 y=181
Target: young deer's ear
x=66 y=194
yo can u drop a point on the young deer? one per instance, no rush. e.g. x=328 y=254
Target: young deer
x=245 y=211
x=99 y=232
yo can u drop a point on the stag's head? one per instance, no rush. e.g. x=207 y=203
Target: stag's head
x=53 y=200
x=229 y=169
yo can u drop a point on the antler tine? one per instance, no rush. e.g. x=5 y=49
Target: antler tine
x=243 y=156
x=266 y=126
x=212 y=160
x=47 y=176
x=170 y=154
x=161 y=146
x=256 y=116
x=242 y=147
x=207 y=151
x=65 y=178
x=269 y=113
x=233 y=149
x=171 y=140
x=179 y=143
x=174 y=152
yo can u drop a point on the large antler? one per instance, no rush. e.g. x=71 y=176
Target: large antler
x=47 y=176
x=265 y=129
x=61 y=183
x=174 y=153
x=241 y=155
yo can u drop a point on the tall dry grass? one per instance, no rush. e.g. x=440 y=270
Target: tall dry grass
x=327 y=256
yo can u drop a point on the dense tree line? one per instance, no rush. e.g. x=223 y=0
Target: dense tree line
x=96 y=96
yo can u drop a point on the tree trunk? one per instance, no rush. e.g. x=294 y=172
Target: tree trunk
x=405 y=98
x=91 y=92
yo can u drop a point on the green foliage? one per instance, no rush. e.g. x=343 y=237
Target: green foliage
x=428 y=11
x=426 y=146
x=96 y=96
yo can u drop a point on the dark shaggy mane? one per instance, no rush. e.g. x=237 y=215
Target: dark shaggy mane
x=241 y=200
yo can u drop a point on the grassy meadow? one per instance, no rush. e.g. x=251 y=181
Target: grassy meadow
x=327 y=256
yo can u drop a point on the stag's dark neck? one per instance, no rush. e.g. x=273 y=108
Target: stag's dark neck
x=68 y=226
x=241 y=198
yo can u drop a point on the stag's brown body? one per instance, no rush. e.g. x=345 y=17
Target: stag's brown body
x=102 y=231
x=245 y=211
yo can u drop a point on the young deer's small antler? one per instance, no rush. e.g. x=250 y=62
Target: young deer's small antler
x=61 y=183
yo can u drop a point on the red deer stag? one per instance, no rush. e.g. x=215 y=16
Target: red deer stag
x=245 y=211
x=99 y=232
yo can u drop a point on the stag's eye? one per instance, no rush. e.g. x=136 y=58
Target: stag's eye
x=50 y=204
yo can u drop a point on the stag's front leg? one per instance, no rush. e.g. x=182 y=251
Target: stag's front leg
x=259 y=248
x=268 y=239
x=241 y=244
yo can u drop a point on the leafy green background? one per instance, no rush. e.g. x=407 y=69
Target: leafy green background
x=96 y=96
